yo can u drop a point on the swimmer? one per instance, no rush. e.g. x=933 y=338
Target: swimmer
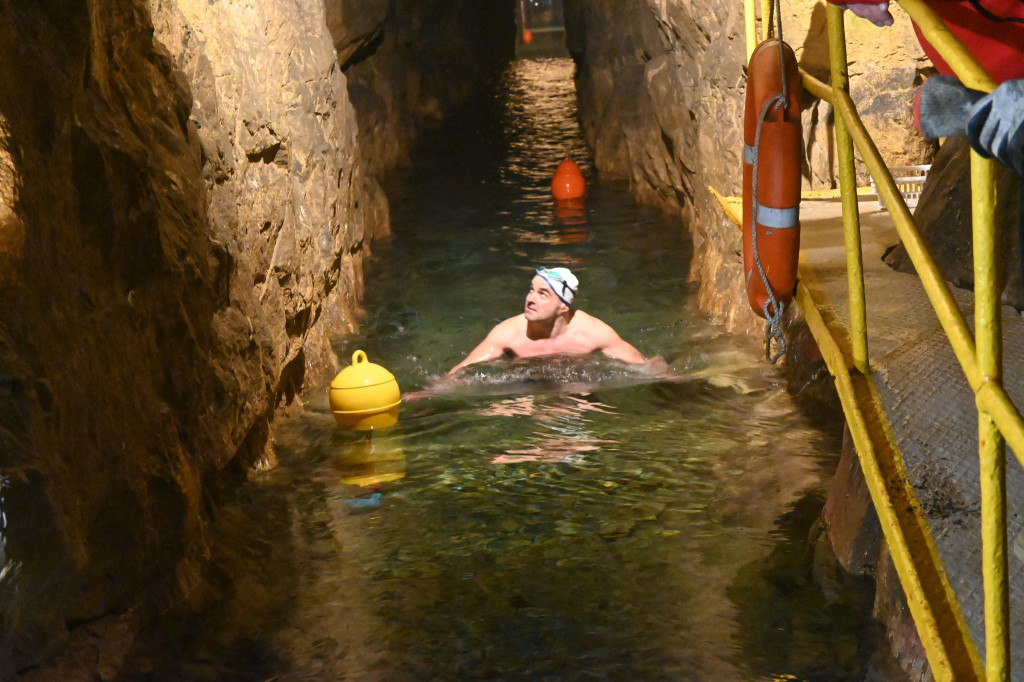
x=549 y=325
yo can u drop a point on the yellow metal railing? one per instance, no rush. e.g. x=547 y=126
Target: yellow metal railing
x=949 y=646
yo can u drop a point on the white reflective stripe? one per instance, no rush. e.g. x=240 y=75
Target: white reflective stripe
x=778 y=218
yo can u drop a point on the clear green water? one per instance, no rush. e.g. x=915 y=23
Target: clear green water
x=557 y=519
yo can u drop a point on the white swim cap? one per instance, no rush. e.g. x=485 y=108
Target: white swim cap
x=562 y=282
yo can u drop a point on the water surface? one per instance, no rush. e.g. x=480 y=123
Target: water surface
x=552 y=519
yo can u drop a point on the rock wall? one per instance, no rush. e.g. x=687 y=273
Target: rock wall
x=850 y=546
x=411 y=62
x=183 y=222
x=661 y=86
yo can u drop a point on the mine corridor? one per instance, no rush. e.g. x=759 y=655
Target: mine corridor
x=221 y=220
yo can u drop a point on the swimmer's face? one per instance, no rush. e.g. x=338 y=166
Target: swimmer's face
x=541 y=302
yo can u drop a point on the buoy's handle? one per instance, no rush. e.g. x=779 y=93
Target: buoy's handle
x=358 y=356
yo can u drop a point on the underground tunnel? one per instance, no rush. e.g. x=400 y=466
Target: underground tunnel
x=206 y=208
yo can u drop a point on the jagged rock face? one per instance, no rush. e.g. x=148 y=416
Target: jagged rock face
x=287 y=193
x=886 y=65
x=182 y=224
x=418 y=63
x=357 y=27
x=661 y=89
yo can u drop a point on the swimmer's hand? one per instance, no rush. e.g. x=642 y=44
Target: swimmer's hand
x=877 y=13
x=655 y=367
x=437 y=386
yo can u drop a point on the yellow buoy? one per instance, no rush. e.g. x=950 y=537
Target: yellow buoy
x=365 y=396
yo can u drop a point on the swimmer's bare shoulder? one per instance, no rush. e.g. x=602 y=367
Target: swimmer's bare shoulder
x=497 y=342
x=605 y=339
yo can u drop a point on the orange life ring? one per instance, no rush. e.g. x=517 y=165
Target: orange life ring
x=775 y=239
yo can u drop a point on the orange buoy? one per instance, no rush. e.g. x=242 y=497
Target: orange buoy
x=527 y=36
x=568 y=182
x=772 y=138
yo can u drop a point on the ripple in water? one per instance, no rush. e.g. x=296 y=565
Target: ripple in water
x=558 y=518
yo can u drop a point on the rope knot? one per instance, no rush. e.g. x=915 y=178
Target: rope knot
x=773 y=329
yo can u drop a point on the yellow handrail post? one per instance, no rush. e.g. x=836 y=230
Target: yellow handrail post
x=991 y=451
x=988 y=344
x=848 y=192
x=951 y=650
x=935 y=286
x=750 y=26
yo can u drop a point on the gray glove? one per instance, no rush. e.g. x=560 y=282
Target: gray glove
x=995 y=126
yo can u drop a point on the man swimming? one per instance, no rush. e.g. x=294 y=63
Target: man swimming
x=549 y=325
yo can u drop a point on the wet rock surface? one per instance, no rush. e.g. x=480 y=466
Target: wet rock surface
x=661 y=90
x=409 y=63
x=184 y=220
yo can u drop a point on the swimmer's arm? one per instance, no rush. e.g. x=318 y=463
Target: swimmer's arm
x=491 y=348
x=614 y=346
x=620 y=349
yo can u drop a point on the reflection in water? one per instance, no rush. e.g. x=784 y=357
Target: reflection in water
x=564 y=436
x=570 y=212
x=555 y=518
x=371 y=461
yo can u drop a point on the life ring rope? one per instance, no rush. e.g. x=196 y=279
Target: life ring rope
x=773 y=308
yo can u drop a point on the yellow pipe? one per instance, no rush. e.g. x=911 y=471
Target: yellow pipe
x=992 y=458
x=950 y=317
x=993 y=399
x=766 y=13
x=948 y=645
x=952 y=50
x=993 y=550
x=987 y=306
x=750 y=26
x=848 y=189
x=816 y=87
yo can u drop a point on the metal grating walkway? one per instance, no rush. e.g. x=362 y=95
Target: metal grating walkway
x=929 y=406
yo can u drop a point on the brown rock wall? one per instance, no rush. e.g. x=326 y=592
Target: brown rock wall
x=288 y=194
x=183 y=221
x=416 y=63
x=661 y=86
x=356 y=26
